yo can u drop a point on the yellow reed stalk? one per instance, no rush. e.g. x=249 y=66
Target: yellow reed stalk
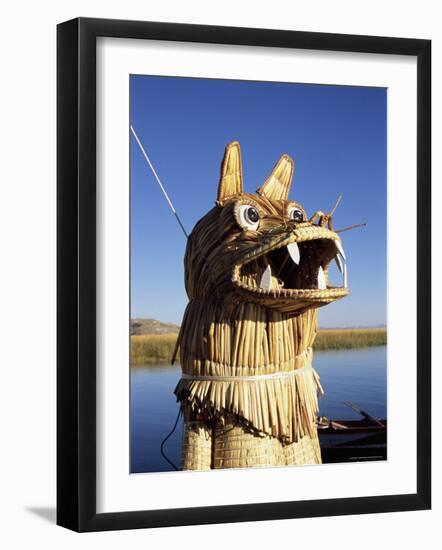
x=234 y=328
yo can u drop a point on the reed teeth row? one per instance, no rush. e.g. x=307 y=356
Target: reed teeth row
x=266 y=277
x=266 y=282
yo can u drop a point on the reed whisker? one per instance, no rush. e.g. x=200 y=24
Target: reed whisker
x=350 y=227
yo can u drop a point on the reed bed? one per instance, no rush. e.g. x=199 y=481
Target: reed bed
x=158 y=348
x=335 y=339
x=152 y=348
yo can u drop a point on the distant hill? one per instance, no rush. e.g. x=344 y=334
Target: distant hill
x=152 y=326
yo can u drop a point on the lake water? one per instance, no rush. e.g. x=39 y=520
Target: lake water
x=358 y=375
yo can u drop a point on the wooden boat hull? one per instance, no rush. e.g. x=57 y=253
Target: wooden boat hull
x=353 y=441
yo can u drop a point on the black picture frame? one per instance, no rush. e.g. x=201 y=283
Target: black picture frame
x=76 y=274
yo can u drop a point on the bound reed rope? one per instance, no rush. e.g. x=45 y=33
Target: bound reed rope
x=241 y=378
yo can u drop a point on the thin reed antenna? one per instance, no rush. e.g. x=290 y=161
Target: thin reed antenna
x=350 y=227
x=338 y=200
x=166 y=196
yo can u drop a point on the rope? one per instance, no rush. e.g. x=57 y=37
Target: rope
x=273 y=376
x=163 y=454
x=166 y=196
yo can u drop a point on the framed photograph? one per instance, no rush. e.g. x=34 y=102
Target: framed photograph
x=243 y=274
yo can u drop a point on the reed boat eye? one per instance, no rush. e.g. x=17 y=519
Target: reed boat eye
x=296 y=214
x=248 y=217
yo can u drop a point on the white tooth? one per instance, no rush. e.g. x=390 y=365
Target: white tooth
x=266 y=279
x=293 y=249
x=339 y=262
x=322 y=285
x=345 y=276
x=340 y=249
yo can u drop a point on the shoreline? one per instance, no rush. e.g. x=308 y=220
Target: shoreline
x=158 y=348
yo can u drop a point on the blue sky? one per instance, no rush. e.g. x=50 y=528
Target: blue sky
x=336 y=136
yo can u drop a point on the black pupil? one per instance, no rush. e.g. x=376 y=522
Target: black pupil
x=297 y=215
x=252 y=214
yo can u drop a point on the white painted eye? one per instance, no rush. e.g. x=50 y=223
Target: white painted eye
x=296 y=214
x=248 y=216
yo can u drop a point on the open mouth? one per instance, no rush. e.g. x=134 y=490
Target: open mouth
x=297 y=266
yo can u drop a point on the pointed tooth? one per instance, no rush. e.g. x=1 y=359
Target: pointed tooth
x=339 y=262
x=345 y=276
x=340 y=249
x=293 y=249
x=266 y=279
x=322 y=285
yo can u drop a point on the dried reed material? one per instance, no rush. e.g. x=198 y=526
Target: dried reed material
x=236 y=448
x=213 y=445
x=248 y=390
x=196 y=448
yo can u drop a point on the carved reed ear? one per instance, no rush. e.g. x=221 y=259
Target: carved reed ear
x=230 y=182
x=277 y=185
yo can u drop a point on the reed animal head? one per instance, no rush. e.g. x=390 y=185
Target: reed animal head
x=262 y=247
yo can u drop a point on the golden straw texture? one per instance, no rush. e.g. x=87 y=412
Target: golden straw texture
x=248 y=390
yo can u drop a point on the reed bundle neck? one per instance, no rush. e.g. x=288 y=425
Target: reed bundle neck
x=248 y=339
